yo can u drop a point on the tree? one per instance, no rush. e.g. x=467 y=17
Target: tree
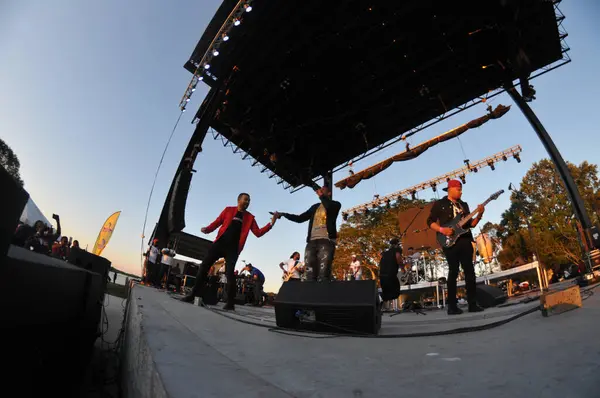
x=10 y=161
x=542 y=216
x=367 y=235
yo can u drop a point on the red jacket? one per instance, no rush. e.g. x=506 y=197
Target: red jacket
x=248 y=224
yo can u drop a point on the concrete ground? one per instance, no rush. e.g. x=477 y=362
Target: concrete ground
x=197 y=352
x=102 y=376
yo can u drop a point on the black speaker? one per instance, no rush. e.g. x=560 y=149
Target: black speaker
x=210 y=295
x=90 y=262
x=490 y=296
x=348 y=307
x=14 y=199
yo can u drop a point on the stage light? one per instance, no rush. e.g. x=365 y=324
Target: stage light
x=517 y=158
x=207 y=66
x=474 y=170
x=187 y=100
x=345 y=216
x=463 y=178
x=225 y=37
x=200 y=78
x=215 y=52
x=413 y=194
x=504 y=158
x=387 y=203
x=491 y=164
x=434 y=187
x=237 y=22
x=248 y=7
x=193 y=89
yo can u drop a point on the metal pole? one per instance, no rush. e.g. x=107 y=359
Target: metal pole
x=559 y=162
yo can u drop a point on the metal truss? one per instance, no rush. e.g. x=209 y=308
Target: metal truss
x=246 y=156
x=202 y=67
x=560 y=17
x=461 y=173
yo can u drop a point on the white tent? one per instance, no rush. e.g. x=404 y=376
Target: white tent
x=32 y=213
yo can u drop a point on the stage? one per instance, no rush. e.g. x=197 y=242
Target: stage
x=181 y=350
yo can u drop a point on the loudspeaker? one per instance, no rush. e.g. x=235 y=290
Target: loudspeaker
x=347 y=307
x=14 y=199
x=90 y=262
x=210 y=295
x=490 y=296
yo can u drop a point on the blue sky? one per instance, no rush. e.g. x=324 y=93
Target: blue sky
x=89 y=94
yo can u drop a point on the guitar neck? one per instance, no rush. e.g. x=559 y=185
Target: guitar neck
x=472 y=214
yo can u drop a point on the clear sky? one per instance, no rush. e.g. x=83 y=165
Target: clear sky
x=89 y=94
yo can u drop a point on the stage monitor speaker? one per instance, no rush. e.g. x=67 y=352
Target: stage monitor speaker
x=418 y=236
x=490 y=296
x=14 y=199
x=346 y=307
x=90 y=262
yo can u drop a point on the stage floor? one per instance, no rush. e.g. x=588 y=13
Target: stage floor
x=181 y=350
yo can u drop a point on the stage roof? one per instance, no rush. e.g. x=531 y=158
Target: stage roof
x=319 y=83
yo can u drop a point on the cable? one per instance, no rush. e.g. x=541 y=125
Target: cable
x=152 y=189
x=358 y=334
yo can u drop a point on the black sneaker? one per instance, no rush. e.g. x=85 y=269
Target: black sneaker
x=475 y=308
x=454 y=311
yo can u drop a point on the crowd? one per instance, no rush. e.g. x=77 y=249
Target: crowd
x=42 y=238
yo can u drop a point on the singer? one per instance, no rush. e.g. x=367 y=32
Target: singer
x=322 y=233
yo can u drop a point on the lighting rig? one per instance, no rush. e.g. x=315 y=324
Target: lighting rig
x=461 y=173
x=234 y=19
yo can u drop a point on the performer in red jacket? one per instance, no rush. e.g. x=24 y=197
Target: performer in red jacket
x=235 y=224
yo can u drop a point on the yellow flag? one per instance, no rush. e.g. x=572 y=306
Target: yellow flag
x=106 y=233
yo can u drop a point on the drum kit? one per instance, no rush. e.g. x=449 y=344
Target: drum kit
x=422 y=264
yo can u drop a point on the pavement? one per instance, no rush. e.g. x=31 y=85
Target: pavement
x=102 y=379
x=175 y=349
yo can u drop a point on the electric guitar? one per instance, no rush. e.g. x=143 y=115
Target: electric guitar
x=458 y=224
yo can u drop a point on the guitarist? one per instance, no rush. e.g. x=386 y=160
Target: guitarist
x=443 y=211
x=292 y=268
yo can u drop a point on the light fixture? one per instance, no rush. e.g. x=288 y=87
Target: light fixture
x=517 y=157
x=225 y=37
x=413 y=194
x=207 y=66
x=215 y=52
x=434 y=186
x=387 y=203
x=463 y=178
x=345 y=216
x=200 y=78
x=474 y=170
x=237 y=22
x=248 y=7
x=504 y=158
x=491 y=164
x=466 y=162
x=187 y=100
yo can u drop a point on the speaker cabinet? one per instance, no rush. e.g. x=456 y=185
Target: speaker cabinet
x=490 y=296
x=347 y=307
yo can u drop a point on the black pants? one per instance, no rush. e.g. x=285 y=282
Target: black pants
x=217 y=251
x=151 y=271
x=318 y=257
x=390 y=287
x=461 y=254
x=258 y=292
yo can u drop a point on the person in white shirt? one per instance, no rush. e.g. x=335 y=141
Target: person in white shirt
x=355 y=268
x=168 y=255
x=292 y=266
x=152 y=262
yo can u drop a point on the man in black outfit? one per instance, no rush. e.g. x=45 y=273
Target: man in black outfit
x=391 y=260
x=322 y=233
x=443 y=211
